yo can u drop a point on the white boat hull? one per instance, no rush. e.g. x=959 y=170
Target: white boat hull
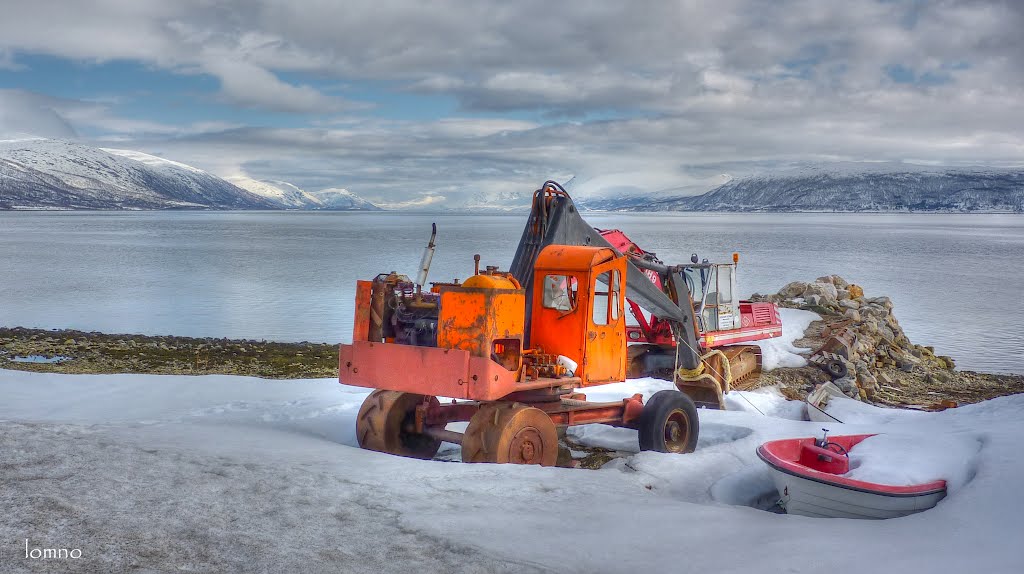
x=808 y=497
x=819 y=399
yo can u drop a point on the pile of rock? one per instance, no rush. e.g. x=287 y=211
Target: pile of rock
x=864 y=332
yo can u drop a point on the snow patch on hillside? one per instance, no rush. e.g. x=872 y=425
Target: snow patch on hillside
x=280 y=192
x=150 y=160
x=343 y=199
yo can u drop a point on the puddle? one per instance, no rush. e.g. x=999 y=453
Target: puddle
x=40 y=359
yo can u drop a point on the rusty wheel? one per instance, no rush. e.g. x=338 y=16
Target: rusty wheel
x=510 y=432
x=383 y=420
x=668 y=423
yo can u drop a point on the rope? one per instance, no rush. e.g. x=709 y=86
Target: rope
x=698 y=374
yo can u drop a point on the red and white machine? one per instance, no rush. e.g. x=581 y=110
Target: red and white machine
x=723 y=319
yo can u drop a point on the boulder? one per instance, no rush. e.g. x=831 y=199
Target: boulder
x=853 y=315
x=794 y=289
x=835 y=280
x=883 y=302
x=855 y=291
x=848 y=303
x=845 y=384
x=826 y=291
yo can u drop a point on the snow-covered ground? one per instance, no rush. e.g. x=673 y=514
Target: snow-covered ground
x=780 y=351
x=226 y=474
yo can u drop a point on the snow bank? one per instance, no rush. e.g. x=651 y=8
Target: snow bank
x=166 y=473
x=780 y=351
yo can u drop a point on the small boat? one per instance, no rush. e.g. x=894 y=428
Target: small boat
x=819 y=399
x=808 y=474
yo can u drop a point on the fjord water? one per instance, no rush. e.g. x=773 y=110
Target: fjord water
x=955 y=280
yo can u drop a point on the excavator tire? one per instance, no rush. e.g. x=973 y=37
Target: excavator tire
x=835 y=369
x=507 y=432
x=669 y=423
x=382 y=422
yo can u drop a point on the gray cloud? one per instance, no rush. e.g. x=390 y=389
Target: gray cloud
x=22 y=113
x=663 y=91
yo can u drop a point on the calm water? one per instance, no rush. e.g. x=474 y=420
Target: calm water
x=955 y=279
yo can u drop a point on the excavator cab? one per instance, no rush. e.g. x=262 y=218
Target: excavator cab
x=713 y=286
x=577 y=310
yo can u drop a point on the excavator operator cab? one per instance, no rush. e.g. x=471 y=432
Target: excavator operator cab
x=577 y=310
x=713 y=287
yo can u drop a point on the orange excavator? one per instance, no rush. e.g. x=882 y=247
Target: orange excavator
x=511 y=351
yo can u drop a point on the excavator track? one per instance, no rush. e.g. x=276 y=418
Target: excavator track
x=744 y=366
x=744 y=371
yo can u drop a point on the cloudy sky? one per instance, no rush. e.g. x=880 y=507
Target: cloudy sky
x=424 y=102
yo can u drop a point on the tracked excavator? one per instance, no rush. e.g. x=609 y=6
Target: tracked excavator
x=723 y=320
x=512 y=351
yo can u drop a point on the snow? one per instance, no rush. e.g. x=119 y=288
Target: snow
x=904 y=460
x=780 y=351
x=341 y=198
x=53 y=173
x=150 y=160
x=280 y=192
x=223 y=473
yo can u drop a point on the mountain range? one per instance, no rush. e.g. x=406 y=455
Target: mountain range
x=289 y=196
x=41 y=173
x=847 y=187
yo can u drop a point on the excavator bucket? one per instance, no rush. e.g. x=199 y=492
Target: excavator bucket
x=744 y=366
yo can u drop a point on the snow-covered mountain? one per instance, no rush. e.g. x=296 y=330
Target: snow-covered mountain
x=618 y=192
x=497 y=201
x=39 y=173
x=855 y=187
x=342 y=199
x=282 y=193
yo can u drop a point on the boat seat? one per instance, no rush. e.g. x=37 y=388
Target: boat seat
x=823 y=459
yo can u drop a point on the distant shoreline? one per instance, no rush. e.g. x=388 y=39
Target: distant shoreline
x=84 y=352
x=81 y=352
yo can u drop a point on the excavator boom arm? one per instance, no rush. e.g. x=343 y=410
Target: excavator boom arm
x=554 y=220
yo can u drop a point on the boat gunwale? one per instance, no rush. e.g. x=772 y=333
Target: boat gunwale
x=793 y=468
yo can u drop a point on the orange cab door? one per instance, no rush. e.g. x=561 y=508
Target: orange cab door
x=605 y=340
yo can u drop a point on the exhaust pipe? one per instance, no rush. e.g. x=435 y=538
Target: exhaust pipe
x=428 y=255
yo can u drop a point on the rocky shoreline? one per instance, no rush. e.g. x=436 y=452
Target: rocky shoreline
x=882 y=365
x=79 y=352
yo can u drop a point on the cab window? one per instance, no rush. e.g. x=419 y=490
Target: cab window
x=560 y=292
x=605 y=308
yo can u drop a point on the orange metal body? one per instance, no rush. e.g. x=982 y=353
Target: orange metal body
x=480 y=334
x=361 y=324
x=434 y=371
x=597 y=346
x=486 y=316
